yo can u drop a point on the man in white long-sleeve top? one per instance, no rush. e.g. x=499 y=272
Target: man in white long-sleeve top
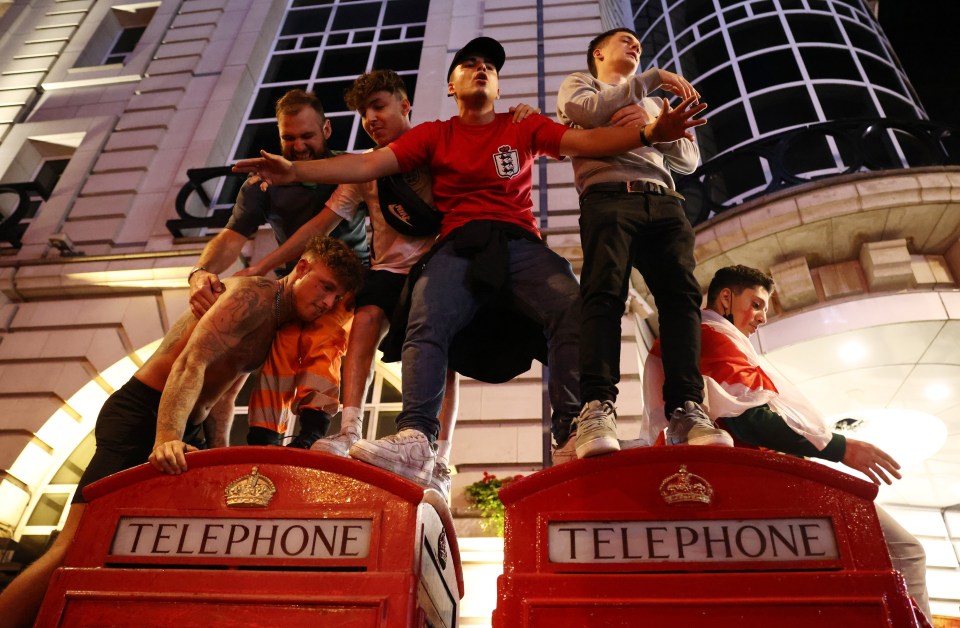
x=631 y=216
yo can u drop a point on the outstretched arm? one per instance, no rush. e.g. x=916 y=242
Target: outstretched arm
x=221 y=329
x=275 y=170
x=763 y=427
x=671 y=125
x=871 y=461
x=321 y=224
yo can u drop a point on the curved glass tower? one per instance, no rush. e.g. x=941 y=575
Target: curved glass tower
x=771 y=68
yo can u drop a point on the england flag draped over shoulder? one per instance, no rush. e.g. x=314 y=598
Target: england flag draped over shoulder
x=734 y=382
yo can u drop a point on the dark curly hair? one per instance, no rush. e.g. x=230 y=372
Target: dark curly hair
x=339 y=258
x=372 y=82
x=738 y=278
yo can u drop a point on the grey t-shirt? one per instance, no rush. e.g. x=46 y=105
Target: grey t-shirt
x=286 y=208
x=587 y=103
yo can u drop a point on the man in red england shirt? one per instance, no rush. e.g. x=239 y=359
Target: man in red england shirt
x=489 y=244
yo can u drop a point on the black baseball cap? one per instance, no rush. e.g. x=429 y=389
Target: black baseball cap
x=489 y=48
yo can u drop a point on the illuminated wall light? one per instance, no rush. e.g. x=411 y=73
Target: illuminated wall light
x=61 y=430
x=31 y=465
x=481 y=544
x=480 y=592
x=852 y=352
x=885 y=429
x=143 y=353
x=87 y=402
x=481 y=549
x=13 y=500
x=938 y=392
x=482 y=562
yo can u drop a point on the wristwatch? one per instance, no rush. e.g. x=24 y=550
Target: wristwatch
x=643 y=136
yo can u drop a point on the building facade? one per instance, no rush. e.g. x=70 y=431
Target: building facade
x=819 y=166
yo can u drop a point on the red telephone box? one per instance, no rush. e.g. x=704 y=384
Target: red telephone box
x=696 y=536
x=254 y=536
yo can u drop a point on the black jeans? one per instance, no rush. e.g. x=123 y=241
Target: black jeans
x=650 y=232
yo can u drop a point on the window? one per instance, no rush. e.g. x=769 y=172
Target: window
x=380 y=410
x=322 y=46
x=830 y=63
x=48 y=173
x=703 y=56
x=719 y=87
x=29 y=181
x=51 y=508
x=727 y=128
x=843 y=102
x=813 y=28
x=769 y=70
x=118 y=34
x=757 y=34
x=126 y=42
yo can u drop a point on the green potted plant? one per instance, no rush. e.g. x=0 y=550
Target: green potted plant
x=484 y=494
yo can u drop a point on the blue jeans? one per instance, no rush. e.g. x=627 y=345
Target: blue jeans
x=541 y=284
x=651 y=233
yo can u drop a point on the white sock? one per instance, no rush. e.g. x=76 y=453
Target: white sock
x=350 y=418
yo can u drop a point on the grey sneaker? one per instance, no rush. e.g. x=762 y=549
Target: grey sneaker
x=596 y=429
x=407 y=453
x=440 y=480
x=691 y=426
x=567 y=452
x=338 y=445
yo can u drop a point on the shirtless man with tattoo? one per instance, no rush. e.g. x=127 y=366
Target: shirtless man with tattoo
x=167 y=399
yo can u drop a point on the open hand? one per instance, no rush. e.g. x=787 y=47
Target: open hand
x=522 y=111
x=674 y=124
x=871 y=461
x=271 y=169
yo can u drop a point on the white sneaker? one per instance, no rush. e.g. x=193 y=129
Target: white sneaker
x=338 y=445
x=407 y=453
x=596 y=429
x=440 y=480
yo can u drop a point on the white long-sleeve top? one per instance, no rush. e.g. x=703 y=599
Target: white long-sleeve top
x=587 y=103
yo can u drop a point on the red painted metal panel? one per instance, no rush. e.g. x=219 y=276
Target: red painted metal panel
x=335 y=542
x=616 y=514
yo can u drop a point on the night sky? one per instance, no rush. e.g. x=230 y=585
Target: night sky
x=924 y=34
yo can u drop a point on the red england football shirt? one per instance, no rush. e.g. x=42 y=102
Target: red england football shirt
x=481 y=172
